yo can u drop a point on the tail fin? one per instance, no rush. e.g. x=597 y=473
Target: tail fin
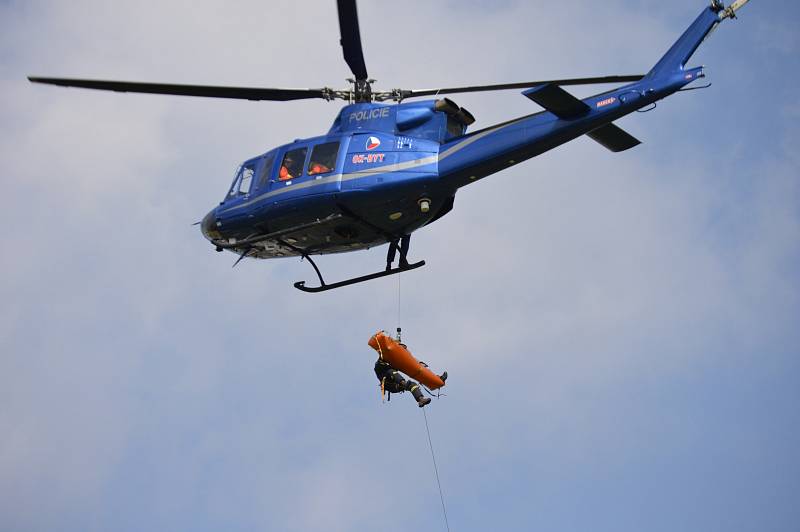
x=677 y=56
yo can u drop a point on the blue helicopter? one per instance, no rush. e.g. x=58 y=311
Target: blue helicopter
x=384 y=170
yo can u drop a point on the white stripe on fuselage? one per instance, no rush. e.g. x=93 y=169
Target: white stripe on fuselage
x=388 y=168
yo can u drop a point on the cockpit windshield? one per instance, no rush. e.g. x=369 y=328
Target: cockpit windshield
x=243 y=180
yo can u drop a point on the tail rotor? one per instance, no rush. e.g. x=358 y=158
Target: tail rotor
x=730 y=11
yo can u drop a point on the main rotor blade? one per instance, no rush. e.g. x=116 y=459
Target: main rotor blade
x=209 y=91
x=351 y=38
x=521 y=85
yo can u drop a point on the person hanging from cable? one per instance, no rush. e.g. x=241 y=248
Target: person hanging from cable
x=393 y=382
x=394 y=358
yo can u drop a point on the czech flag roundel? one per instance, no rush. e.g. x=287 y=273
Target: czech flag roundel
x=373 y=142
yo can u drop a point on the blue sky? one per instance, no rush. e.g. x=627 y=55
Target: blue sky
x=620 y=329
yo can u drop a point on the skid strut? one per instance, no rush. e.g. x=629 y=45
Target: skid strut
x=394 y=247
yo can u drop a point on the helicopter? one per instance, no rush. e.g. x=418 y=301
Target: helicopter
x=384 y=170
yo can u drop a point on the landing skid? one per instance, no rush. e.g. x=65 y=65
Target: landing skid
x=404 y=266
x=301 y=285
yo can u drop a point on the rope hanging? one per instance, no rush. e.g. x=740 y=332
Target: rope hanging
x=424 y=414
x=436 y=469
x=398 y=300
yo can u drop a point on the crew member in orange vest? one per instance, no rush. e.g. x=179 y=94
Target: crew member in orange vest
x=287 y=168
x=318 y=168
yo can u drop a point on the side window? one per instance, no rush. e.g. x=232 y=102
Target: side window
x=266 y=169
x=292 y=165
x=323 y=158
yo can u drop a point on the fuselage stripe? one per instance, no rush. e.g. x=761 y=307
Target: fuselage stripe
x=389 y=168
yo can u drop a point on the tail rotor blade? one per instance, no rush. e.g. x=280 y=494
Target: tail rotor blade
x=730 y=11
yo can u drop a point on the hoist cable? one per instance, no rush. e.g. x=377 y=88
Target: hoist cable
x=398 y=300
x=436 y=469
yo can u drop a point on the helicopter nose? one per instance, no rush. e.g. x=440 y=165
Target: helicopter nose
x=209 y=226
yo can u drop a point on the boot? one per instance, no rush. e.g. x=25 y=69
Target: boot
x=417 y=393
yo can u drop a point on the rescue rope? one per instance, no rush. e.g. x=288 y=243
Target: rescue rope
x=398 y=300
x=438 y=393
x=436 y=469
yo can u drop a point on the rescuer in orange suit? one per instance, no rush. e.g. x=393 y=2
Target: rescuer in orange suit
x=393 y=381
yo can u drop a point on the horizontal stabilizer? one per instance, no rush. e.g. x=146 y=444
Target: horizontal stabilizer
x=558 y=101
x=614 y=138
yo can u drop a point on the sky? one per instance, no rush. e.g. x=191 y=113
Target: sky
x=620 y=330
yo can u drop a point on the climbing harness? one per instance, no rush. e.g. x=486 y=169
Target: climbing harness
x=383 y=380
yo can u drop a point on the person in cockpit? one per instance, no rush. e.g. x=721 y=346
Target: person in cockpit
x=287 y=167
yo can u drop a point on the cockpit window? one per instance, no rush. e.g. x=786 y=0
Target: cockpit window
x=292 y=165
x=323 y=158
x=235 y=184
x=248 y=171
x=243 y=180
